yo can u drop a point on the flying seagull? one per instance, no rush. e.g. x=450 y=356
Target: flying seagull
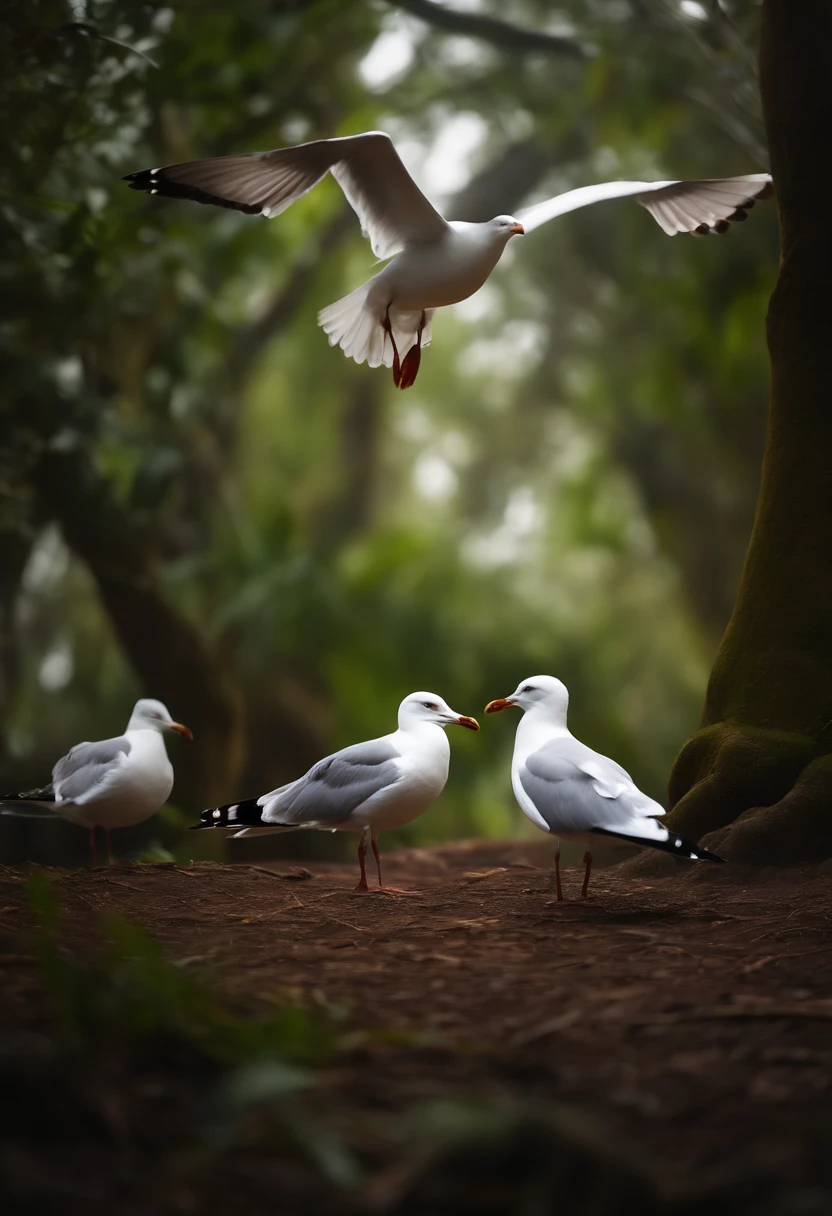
x=369 y=787
x=567 y=789
x=433 y=262
x=117 y=782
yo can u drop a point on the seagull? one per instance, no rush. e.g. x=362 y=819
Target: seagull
x=368 y=787
x=569 y=790
x=114 y=783
x=433 y=263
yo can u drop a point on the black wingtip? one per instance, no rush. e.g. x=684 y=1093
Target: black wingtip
x=704 y=855
x=677 y=846
x=141 y=180
x=234 y=815
x=159 y=181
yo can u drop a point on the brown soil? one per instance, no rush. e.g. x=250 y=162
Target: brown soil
x=690 y=1016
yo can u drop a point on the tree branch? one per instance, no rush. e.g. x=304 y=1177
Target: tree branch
x=498 y=33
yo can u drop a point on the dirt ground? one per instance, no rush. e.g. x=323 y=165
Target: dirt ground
x=690 y=1015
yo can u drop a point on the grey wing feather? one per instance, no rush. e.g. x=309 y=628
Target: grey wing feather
x=391 y=207
x=574 y=792
x=87 y=765
x=334 y=787
x=696 y=205
x=705 y=203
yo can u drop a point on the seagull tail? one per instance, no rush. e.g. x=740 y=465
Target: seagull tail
x=351 y=324
x=676 y=845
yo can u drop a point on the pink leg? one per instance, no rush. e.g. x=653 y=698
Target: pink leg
x=377 y=856
x=381 y=886
x=410 y=367
x=92 y=846
x=388 y=329
x=362 y=853
x=587 y=872
x=558 y=888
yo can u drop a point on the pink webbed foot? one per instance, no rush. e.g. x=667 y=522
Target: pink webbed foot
x=413 y=359
x=410 y=367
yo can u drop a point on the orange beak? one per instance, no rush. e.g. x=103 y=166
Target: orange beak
x=470 y=723
x=495 y=707
x=517 y=229
x=180 y=729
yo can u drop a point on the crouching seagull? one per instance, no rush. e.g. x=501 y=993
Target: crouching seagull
x=368 y=787
x=574 y=793
x=114 y=783
x=433 y=262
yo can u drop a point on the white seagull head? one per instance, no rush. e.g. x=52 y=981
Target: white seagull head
x=153 y=715
x=545 y=695
x=505 y=227
x=422 y=707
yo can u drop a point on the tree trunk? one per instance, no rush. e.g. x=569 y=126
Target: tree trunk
x=766 y=738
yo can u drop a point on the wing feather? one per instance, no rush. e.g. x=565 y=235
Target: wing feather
x=390 y=206
x=334 y=787
x=86 y=767
x=699 y=204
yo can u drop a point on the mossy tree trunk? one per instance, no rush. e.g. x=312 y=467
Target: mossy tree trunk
x=760 y=769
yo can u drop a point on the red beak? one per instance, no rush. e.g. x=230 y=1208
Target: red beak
x=517 y=229
x=180 y=729
x=494 y=707
x=470 y=723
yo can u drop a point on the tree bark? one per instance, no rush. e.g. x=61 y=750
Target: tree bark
x=766 y=737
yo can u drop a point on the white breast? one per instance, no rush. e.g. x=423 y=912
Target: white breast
x=423 y=763
x=442 y=273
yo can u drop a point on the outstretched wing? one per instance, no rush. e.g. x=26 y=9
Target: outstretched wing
x=333 y=788
x=700 y=205
x=391 y=207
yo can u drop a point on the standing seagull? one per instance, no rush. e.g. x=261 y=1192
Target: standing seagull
x=434 y=263
x=115 y=783
x=567 y=789
x=369 y=787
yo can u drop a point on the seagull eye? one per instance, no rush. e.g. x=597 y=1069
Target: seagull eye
x=429 y=705
x=528 y=688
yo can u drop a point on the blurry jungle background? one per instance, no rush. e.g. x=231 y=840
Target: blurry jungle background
x=201 y=501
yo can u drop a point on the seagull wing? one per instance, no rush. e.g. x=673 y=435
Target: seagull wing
x=685 y=206
x=334 y=788
x=574 y=789
x=86 y=769
x=391 y=207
